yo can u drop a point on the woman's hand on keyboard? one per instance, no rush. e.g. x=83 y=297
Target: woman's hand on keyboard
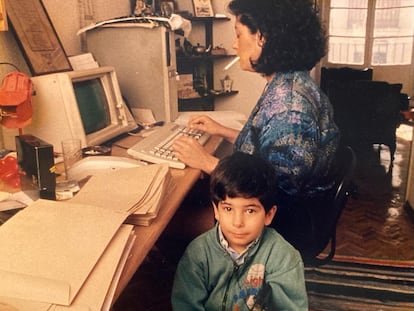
x=190 y=152
x=208 y=125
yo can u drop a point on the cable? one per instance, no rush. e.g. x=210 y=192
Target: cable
x=10 y=64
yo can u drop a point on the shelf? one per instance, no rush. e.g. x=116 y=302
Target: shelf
x=202 y=66
x=225 y=94
x=204 y=57
x=210 y=95
x=204 y=19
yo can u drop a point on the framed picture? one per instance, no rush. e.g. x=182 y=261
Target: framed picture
x=203 y=8
x=37 y=37
x=166 y=8
x=3 y=19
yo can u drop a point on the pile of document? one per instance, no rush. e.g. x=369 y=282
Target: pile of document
x=139 y=191
x=69 y=255
x=58 y=256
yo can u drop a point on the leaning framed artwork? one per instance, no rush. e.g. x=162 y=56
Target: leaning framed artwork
x=203 y=8
x=3 y=19
x=37 y=37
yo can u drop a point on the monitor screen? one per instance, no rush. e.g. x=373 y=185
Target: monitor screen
x=92 y=104
x=84 y=104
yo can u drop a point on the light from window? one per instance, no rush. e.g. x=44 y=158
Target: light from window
x=393 y=32
x=347 y=31
x=388 y=40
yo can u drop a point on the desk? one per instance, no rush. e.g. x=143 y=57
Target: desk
x=147 y=236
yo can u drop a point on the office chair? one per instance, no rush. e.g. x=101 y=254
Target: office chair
x=325 y=212
x=309 y=222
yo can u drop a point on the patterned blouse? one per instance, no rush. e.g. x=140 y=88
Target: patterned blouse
x=292 y=126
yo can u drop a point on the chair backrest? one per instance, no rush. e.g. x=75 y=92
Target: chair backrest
x=329 y=75
x=344 y=170
x=325 y=211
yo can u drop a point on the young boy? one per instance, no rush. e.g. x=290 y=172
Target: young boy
x=241 y=264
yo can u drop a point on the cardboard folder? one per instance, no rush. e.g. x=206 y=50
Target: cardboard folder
x=50 y=248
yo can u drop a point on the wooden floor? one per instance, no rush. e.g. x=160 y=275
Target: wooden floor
x=374 y=224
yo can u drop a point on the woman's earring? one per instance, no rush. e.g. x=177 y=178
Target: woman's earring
x=260 y=41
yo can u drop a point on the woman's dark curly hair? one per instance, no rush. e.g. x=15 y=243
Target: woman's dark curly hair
x=294 y=37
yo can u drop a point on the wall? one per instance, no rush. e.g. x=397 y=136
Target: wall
x=68 y=16
x=67 y=19
x=409 y=192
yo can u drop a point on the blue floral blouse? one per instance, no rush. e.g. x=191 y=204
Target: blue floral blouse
x=292 y=126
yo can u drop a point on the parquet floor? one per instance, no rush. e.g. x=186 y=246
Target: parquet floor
x=373 y=224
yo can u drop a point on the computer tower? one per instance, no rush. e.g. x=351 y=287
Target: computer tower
x=145 y=63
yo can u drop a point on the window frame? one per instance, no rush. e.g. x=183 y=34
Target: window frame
x=325 y=6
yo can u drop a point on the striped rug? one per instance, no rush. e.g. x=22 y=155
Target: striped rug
x=363 y=284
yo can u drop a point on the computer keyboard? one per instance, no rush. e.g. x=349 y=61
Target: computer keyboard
x=157 y=147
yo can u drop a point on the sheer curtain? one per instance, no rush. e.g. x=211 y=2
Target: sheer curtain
x=371 y=32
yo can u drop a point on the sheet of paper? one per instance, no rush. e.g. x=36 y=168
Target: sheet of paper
x=49 y=248
x=122 y=190
x=94 y=292
x=143 y=116
x=117 y=276
x=13 y=304
x=83 y=61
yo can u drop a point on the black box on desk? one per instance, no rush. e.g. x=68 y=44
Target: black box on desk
x=36 y=162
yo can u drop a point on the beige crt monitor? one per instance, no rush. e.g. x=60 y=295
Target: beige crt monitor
x=85 y=104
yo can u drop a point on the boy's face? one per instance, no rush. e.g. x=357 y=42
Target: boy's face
x=242 y=220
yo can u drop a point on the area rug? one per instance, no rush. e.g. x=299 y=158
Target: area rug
x=363 y=284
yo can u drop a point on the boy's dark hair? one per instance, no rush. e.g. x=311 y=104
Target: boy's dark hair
x=244 y=175
x=295 y=38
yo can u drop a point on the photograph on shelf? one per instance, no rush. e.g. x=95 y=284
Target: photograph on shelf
x=185 y=87
x=167 y=8
x=203 y=8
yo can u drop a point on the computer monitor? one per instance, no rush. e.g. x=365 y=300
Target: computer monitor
x=84 y=104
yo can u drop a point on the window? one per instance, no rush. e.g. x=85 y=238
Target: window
x=371 y=32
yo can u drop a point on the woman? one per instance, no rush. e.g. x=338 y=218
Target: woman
x=292 y=123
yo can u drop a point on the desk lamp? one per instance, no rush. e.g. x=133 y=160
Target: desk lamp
x=16 y=101
x=15 y=112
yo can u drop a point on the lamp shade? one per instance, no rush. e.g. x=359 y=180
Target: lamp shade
x=16 y=100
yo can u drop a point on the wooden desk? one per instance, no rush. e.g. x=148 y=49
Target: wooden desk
x=147 y=236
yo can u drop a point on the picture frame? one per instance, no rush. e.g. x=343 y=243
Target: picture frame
x=167 y=8
x=37 y=37
x=3 y=19
x=203 y=8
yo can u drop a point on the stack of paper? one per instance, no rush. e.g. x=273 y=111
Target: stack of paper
x=70 y=254
x=58 y=256
x=138 y=191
